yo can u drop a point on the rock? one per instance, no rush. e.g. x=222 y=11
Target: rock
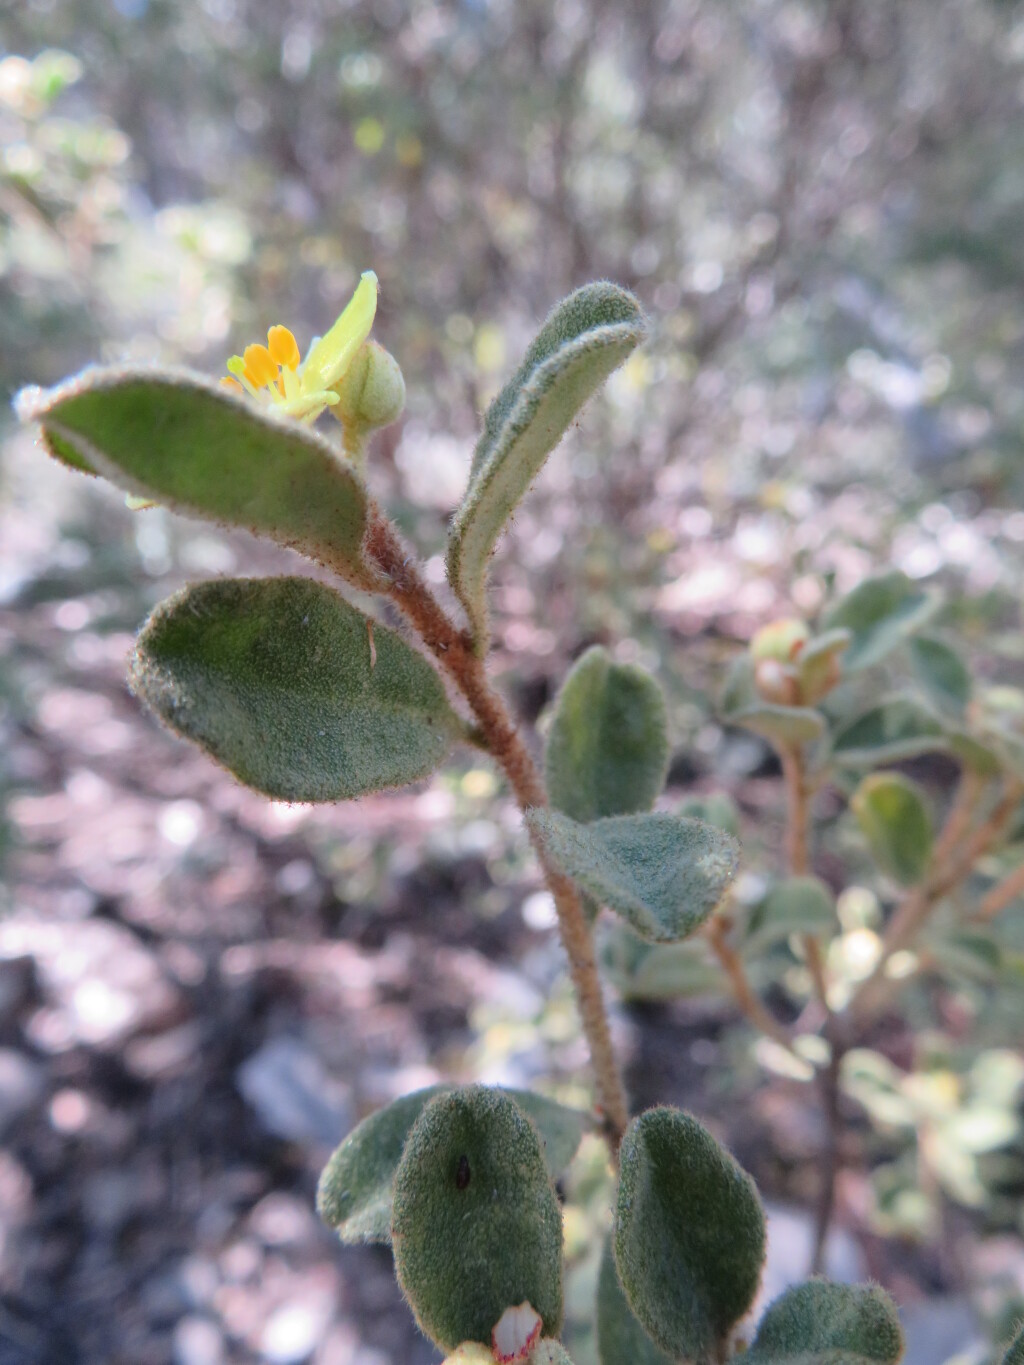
x=287 y=1085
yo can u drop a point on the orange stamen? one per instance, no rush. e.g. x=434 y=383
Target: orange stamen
x=260 y=367
x=283 y=347
x=232 y=384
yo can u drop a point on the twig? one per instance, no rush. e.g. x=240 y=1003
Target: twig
x=454 y=650
x=1001 y=895
x=831 y=1164
x=748 y=1001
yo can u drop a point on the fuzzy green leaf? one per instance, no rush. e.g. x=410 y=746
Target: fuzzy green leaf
x=717 y=808
x=896 y=729
x=193 y=446
x=607 y=748
x=780 y=724
x=798 y=905
x=620 y=1338
x=356 y=1186
x=689 y=1234
x=942 y=673
x=1015 y=1353
x=476 y=1226
x=881 y=613
x=585 y=338
x=819 y=1323
x=276 y=678
x=894 y=819
x=663 y=873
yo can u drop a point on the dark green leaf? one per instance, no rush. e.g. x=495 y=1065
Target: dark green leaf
x=896 y=729
x=1015 y=1351
x=798 y=905
x=279 y=680
x=894 y=819
x=663 y=873
x=476 y=1226
x=941 y=672
x=819 y=1323
x=355 y=1191
x=780 y=724
x=881 y=613
x=585 y=338
x=620 y=1338
x=689 y=1234
x=607 y=748
x=193 y=446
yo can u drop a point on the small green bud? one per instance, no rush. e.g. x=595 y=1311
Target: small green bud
x=372 y=391
x=781 y=640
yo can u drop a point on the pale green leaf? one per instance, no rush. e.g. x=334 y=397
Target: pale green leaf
x=689 y=1234
x=281 y=681
x=607 y=749
x=663 y=873
x=586 y=337
x=191 y=445
x=798 y=905
x=894 y=819
x=780 y=724
x=897 y=728
x=476 y=1227
x=942 y=673
x=356 y=1187
x=881 y=613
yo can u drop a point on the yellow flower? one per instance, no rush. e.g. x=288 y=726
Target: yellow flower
x=275 y=373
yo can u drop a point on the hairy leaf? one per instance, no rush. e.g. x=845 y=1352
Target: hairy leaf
x=881 y=613
x=663 y=873
x=476 y=1225
x=896 y=729
x=689 y=1234
x=941 y=672
x=280 y=680
x=780 y=724
x=356 y=1186
x=894 y=819
x=607 y=748
x=1015 y=1352
x=193 y=446
x=798 y=905
x=620 y=1338
x=819 y=1323
x=585 y=338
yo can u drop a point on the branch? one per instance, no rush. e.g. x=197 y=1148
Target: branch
x=454 y=650
x=749 y=1002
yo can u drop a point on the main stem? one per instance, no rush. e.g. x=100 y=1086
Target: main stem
x=454 y=650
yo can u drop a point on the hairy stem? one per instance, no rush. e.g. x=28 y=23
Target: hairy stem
x=750 y=1004
x=454 y=650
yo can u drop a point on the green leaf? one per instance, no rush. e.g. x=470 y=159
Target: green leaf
x=798 y=905
x=193 y=446
x=689 y=1234
x=1015 y=1351
x=663 y=873
x=881 y=613
x=357 y=1184
x=780 y=724
x=279 y=680
x=894 y=819
x=674 y=971
x=941 y=672
x=819 y=1323
x=817 y=663
x=476 y=1226
x=896 y=729
x=738 y=691
x=717 y=808
x=607 y=749
x=585 y=338
x=620 y=1338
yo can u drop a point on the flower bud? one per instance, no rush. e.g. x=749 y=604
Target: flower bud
x=776 y=683
x=371 y=393
x=781 y=640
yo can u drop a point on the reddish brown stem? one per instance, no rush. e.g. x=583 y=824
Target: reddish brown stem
x=454 y=650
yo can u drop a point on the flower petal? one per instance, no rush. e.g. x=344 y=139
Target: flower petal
x=332 y=354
